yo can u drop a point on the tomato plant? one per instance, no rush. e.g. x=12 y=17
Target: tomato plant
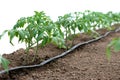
x=58 y=37
x=86 y=21
x=64 y=21
x=32 y=30
x=39 y=29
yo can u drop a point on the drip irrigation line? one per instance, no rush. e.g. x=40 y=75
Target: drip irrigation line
x=60 y=55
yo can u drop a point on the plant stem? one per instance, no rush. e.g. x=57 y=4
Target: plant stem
x=66 y=40
x=73 y=38
x=36 y=51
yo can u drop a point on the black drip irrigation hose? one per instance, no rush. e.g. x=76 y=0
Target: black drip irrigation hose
x=60 y=55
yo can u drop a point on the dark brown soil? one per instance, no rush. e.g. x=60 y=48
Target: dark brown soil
x=88 y=62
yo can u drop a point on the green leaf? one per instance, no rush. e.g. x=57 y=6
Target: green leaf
x=44 y=41
x=108 y=53
x=21 y=35
x=20 y=23
x=40 y=36
x=4 y=62
x=111 y=43
x=3 y=33
x=59 y=41
x=117 y=45
x=11 y=34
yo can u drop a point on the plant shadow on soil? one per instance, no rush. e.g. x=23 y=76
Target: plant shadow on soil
x=88 y=62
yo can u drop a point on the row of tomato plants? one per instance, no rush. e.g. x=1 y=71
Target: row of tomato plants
x=39 y=30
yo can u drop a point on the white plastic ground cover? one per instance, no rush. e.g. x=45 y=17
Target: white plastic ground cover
x=60 y=55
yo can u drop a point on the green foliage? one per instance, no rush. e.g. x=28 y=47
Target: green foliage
x=39 y=29
x=115 y=45
x=32 y=30
x=4 y=62
x=65 y=23
x=58 y=38
x=3 y=33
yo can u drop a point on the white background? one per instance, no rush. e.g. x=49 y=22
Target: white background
x=12 y=10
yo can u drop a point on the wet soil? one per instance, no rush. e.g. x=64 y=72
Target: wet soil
x=88 y=62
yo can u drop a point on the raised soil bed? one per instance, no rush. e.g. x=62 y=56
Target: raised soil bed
x=88 y=62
